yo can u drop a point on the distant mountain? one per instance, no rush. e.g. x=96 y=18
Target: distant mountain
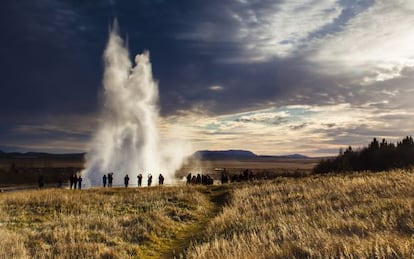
x=202 y=155
x=223 y=155
x=293 y=156
x=239 y=155
x=297 y=156
x=34 y=155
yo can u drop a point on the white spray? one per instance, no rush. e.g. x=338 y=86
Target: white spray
x=127 y=140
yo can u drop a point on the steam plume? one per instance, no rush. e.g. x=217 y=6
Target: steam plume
x=127 y=140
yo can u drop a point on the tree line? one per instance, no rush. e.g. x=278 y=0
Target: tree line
x=378 y=156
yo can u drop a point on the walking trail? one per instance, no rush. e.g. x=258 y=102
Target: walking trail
x=218 y=196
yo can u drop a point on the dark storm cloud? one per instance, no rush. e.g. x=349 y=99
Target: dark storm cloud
x=255 y=54
x=223 y=59
x=46 y=61
x=53 y=59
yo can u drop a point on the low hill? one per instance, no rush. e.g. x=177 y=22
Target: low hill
x=239 y=155
x=232 y=154
x=38 y=155
x=223 y=155
x=292 y=156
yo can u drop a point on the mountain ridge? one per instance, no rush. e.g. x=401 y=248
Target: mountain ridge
x=238 y=154
x=231 y=154
x=34 y=155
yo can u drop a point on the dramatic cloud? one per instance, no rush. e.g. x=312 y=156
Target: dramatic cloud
x=59 y=133
x=374 y=45
x=263 y=30
x=271 y=76
x=313 y=130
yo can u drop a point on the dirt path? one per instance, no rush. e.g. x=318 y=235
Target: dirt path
x=218 y=196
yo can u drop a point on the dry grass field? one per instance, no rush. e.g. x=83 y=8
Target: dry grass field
x=101 y=223
x=365 y=215
x=368 y=215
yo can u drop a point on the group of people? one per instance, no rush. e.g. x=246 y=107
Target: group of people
x=108 y=179
x=75 y=181
x=226 y=177
x=245 y=175
x=199 y=179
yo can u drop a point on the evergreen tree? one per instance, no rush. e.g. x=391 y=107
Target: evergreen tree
x=376 y=157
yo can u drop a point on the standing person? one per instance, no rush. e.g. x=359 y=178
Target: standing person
x=104 y=180
x=79 y=182
x=161 y=179
x=110 y=178
x=126 y=181
x=139 y=180
x=149 y=180
x=75 y=181
x=71 y=181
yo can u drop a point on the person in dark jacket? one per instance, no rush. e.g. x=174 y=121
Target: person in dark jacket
x=161 y=179
x=110 y=179
x=75 y=181
x=149 y=179
x=104 y=180
x=71 y=181
x=126 y=181
x=80 y=182
x=139 y=180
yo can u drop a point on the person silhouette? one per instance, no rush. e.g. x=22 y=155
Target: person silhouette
x=149 y=179
x=126 y=181
x=71 y=181
x=139 y=180
x=80 y=182
x=104 y=180
x=75 y=181
x=161 y=179
x=110 y=179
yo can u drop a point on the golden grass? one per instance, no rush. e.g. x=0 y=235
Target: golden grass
x=352 y=216
x=111 y=223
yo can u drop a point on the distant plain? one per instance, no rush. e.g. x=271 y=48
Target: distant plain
x=25 y=170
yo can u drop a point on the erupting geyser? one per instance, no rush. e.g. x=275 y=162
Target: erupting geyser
x=127 y=140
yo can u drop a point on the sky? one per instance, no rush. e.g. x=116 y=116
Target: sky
x=274 y=77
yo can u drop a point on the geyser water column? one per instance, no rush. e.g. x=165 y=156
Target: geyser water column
x=127 y=140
